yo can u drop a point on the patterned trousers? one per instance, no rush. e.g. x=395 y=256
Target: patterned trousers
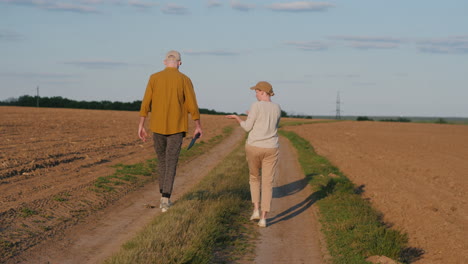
x=167 y=149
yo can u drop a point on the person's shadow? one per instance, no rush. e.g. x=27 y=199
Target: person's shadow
x=290 y=189
x=294 y=210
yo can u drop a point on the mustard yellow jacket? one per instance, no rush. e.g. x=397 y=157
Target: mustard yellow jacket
x=169 y=97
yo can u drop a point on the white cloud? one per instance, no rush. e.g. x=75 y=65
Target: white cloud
x=54 y=5
x=368 y=42
x=42 y=75
x=368 y=39
x=212 y=53
x=214 y=3
x=291 y=81
x=92 y=2
x=97 y=64
x=24 y=2
x=309 y=45
x=450 y=45
x=364 y=83
x=95 y=2
x=70 y=8
x=6 y=35
x=373 y=45
x=334 y=75
x=142 y=4
x=241 y=6
x=301 y=6
x=174 y=9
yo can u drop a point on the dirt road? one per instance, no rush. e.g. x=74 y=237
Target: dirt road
x=292 y=235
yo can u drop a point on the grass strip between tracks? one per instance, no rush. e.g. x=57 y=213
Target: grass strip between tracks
x=353 y=229
x=206 y=225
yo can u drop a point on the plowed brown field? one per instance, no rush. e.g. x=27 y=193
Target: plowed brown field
x=415 y=174
x=50 y=160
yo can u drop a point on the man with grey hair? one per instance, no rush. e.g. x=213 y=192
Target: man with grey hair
x=169 y=97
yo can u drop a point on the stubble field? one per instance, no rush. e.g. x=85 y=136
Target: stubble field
x=415 y=174
x=50 y=160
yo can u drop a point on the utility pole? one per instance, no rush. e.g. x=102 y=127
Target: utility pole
x=338 y=106
x=37 y=97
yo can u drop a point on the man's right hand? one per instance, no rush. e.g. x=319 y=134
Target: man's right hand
x=142 y=133
x=198 y=128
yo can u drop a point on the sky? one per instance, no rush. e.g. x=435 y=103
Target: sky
x=382 y=57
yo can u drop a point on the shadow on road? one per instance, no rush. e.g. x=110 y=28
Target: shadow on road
x=294 y=210
x=290 y=188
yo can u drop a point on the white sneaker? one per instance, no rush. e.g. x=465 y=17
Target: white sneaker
x=165 y=204
x=262 y=223
x=255 y=215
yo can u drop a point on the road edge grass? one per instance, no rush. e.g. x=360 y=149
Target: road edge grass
x=302 y=122
x=209 y=224
x=353 y=230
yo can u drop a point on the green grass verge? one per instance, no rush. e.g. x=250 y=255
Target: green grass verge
x=139 y=173
x=353 y=229
x=300 y=123
x=206 y=225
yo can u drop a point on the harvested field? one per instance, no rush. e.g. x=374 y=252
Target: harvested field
x=415 y=174
x=50 y=160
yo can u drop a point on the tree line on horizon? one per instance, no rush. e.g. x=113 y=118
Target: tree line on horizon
x=61 y=102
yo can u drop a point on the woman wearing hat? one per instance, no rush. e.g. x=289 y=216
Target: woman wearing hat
x=262 y=148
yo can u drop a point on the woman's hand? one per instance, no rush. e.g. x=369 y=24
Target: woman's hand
x=234 y=117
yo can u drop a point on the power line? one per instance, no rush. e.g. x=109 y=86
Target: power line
x=338 y=106
x=37 y=97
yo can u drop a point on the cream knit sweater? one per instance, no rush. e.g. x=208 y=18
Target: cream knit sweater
x=262 y=124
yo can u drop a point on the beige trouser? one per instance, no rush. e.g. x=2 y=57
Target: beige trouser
x=266 y=161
